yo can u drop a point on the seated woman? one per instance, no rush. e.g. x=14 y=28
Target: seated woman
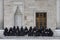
x=6 y=32
x=30 y=32
x=26 y=31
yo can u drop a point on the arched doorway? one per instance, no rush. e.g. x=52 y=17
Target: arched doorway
x=18 y=17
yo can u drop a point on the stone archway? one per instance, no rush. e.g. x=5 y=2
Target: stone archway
x=18 y=17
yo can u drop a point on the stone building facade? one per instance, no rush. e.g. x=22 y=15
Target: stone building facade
x=27 y=10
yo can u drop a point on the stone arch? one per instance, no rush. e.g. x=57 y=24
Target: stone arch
x=18 y=17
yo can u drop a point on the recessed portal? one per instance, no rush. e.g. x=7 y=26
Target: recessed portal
x=41 y=19
x=18 y=17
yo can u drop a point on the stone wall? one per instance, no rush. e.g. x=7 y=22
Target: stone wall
x=28 y=9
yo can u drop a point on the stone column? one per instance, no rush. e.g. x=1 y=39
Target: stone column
x=58 y=14
x=1 y=14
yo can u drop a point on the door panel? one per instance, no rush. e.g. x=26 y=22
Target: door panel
x=41 y=19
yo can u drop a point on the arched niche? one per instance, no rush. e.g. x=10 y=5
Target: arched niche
x=18 y=17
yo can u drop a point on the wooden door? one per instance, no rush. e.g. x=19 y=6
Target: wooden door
x=41 y=19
